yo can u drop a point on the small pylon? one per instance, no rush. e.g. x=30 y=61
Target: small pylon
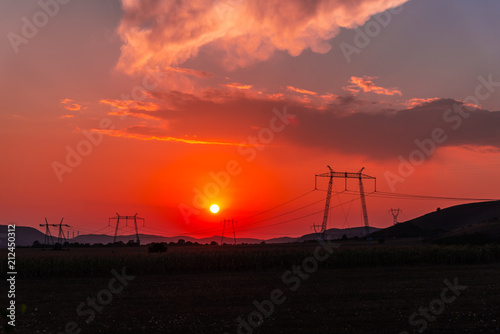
x=61 y=237
x=224 y=228
x=395 y=213
x=135 y=218
x=48 y=236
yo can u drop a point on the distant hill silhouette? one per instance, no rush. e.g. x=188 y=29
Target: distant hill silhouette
x=482 y=217
x=27 y=235
x=24 y=236
x=337 y=233
x=146 y=239
x=476 y=219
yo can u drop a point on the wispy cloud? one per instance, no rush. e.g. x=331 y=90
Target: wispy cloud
x=301 y=91
x=131 y=108
x=71 y=105
x=237 y=86
x=366 y=84
x=419 y=101
x=142 y=132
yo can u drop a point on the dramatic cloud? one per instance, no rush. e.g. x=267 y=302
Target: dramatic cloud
x=365 y=84
x=340 y=127
x=166 y=33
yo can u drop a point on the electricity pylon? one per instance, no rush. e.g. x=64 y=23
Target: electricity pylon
x=327 y=202
x=345 y=175
x=48 y=236
x=224 y=227
x=134 y=218
x=395 y=213
x=61 y=236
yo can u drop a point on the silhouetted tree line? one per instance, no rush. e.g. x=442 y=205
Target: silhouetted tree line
x=130 y=243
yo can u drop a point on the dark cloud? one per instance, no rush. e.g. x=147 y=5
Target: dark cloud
x=382 y=134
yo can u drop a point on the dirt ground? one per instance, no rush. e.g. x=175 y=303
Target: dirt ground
x=358 y=300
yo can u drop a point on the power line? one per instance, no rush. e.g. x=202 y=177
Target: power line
x=286 y=213
x=379 y=194
x=425 y=197
x=297 y=218
x=214 y=230
x=279 y=205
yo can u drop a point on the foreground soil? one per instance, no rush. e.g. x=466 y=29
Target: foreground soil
x=349 y=300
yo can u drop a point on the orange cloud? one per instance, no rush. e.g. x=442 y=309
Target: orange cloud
x=67 y=116
x=71 y=105
x=275 y=96
x=131 y=108
x=134 y=134
x=237 y=85
x=419 y=101
x=366 y=85
x=301 y=91
x=168 y=33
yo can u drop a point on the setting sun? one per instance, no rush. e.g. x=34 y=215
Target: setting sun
x=214 y=208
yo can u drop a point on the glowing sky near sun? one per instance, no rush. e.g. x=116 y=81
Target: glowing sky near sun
x=167 y=107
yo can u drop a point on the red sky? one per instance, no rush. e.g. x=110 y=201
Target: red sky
x=151 y=107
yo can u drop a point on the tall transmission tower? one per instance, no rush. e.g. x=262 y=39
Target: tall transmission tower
x=224 y=227
x=345 y=175
x=135 y=218
x=48 y=236
x=61 y=238
x=363 y=201
x=321 y=233
x=395 y=213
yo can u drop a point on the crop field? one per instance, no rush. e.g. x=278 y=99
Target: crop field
x=294 y=288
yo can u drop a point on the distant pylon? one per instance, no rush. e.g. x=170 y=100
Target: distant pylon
x=395 y=213
x=61 y=236
x=234 y=232
x=224 y=228
x=48 y=236
x=134 y=218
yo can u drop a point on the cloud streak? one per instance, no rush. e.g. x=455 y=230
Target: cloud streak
x=142 y=132
x=301 y=91
x=131 y=108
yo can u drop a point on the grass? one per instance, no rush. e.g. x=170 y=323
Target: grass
x=97 y=262
x=361 y=288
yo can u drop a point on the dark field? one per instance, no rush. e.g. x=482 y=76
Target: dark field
x=359 y=288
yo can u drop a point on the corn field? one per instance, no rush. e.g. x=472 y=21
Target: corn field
x=32 y=263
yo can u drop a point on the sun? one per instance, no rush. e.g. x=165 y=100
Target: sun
x=214 y=208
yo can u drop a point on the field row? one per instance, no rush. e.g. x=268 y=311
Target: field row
x=31 y=264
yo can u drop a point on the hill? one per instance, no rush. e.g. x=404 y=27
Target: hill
x=25 y=236
x=477 y=219
x=464 y=219
x=336 y=233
